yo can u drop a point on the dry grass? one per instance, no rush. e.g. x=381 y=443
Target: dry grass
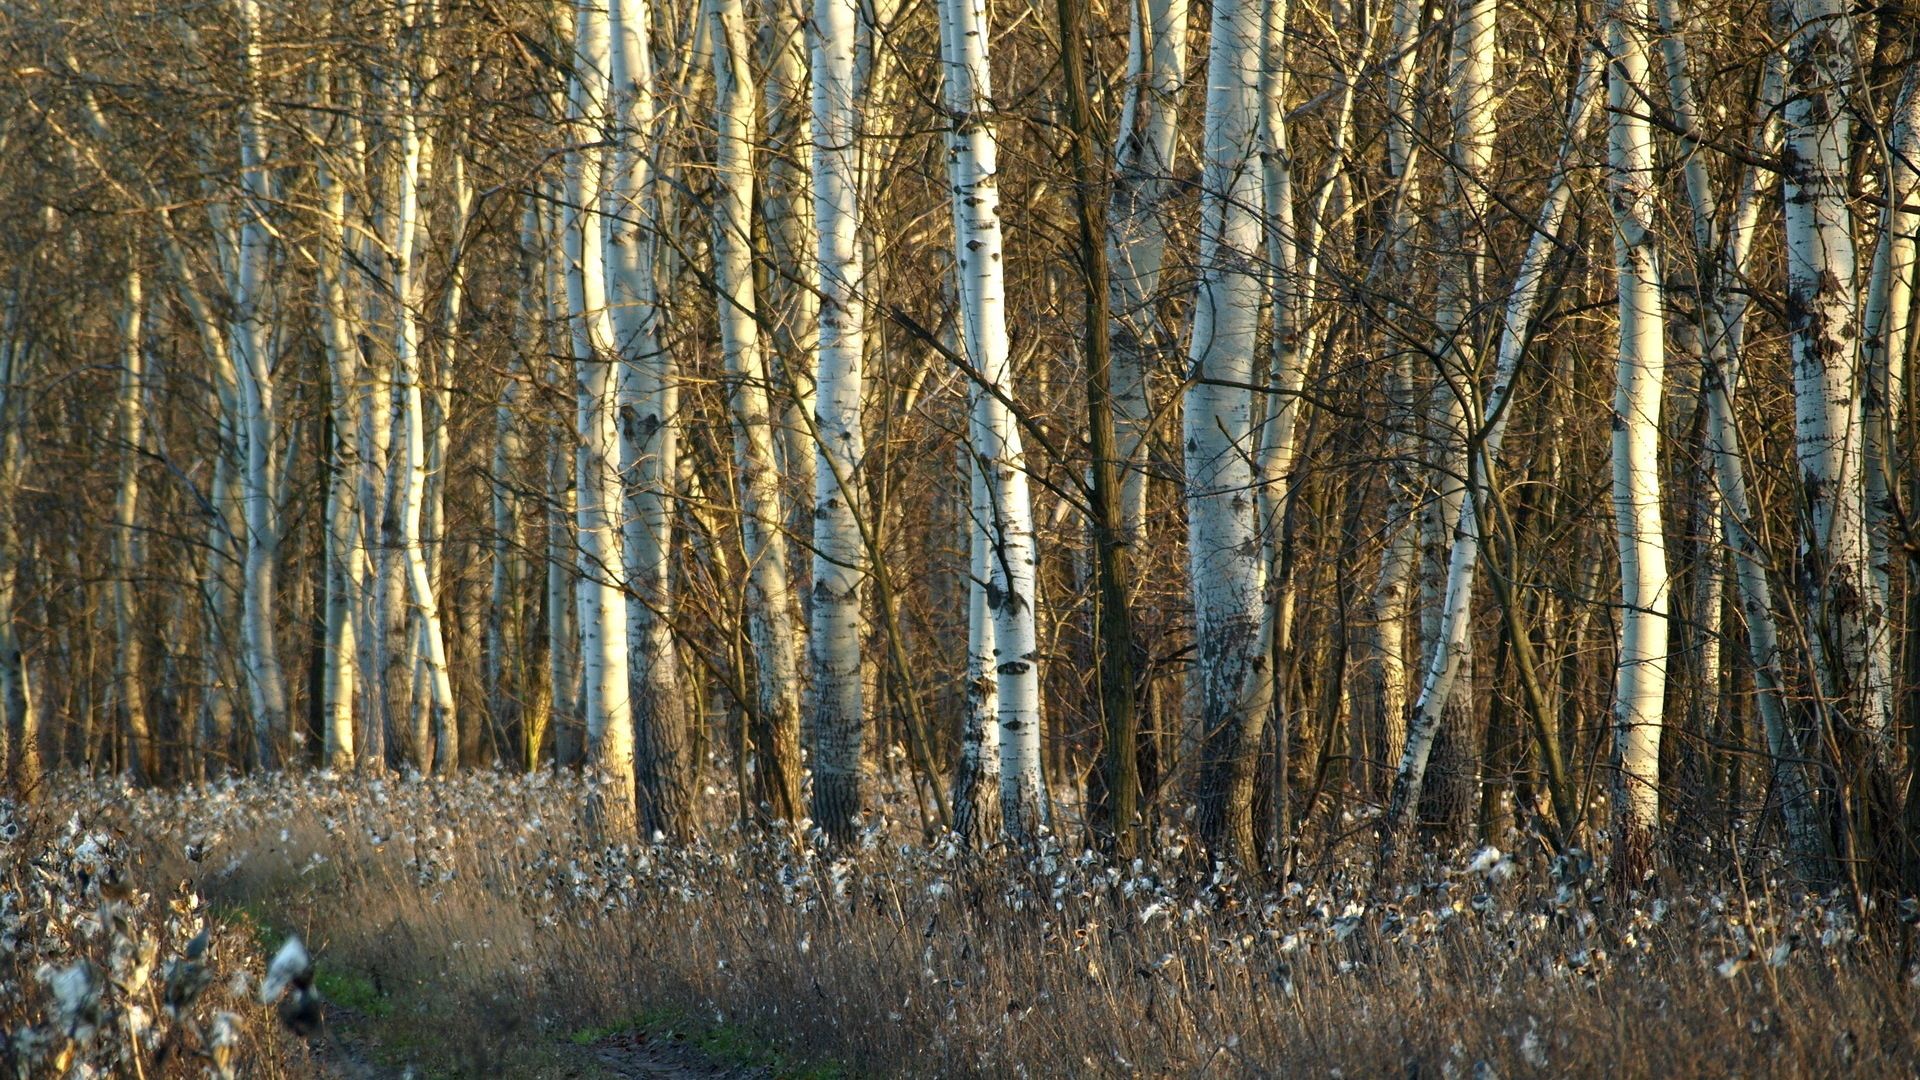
x=469 y=923
x=109 y=970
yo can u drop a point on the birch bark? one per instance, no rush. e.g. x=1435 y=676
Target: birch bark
x=1144 y=157
x=1641 y=670
x=978 y=253
x=606 y=694
x=129 y=686
x=649 y=433
x=1226 y=563
x=1442 y=665
x=769 y=605
x=839 y=556
x=1845 y=616
x=252 y=340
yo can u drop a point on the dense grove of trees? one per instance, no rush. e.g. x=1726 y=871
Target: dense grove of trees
x=1105 y=415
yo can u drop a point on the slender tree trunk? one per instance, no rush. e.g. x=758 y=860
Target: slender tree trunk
x=22 y=762
x=839 y=556
x=130 y=689
x=786 y=200
x=1845 y=614
x=252 y=338
x=1448 y=638
x=976 y=785
x=346 y=557
x=606 y=693
x=408 y=296
x=649 y=440
x=1012 y=595
x=1116 y=794
x=1136 y=227
x=1640 y=679
x=1393 y=594
x=1886 y=338
x=769 y=606
x=1227 y=569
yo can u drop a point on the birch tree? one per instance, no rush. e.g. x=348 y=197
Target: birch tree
x=606 y=695
x=769 y=607
x=346 y=557
x=1823 y=323
x=1144 y=153
x=252 y=342
x=1886 y=335
x=129 y=686
x=408 y=300
x=1641 y=670
x=1393 y=592
x=1226 y=567
x=839 y=556
x=1461 y=232
x=1463 y=559
x=1011 y=583
x=19 y=714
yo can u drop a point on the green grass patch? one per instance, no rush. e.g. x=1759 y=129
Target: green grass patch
x=729 y=1045
x=338 y=985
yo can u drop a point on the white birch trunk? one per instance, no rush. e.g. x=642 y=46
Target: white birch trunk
x=253 y=365
x=1886 y=337
x=1463 y=560
x=770 y=613
x=976 y=786
x=606 y=694
x=1455 y=394
x=1722 y=357
x=1137 y=233
x=1227 y=567
x=1393 y=592
x=1012 y=595
x=839 y=559
x=1640 y=679
x=1823 y=327
x=787 y=207
x=346 y=557
x=407 y=300
x=129 y=687
x=649 y=437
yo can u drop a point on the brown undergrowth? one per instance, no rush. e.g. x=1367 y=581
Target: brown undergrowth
x=468 y=922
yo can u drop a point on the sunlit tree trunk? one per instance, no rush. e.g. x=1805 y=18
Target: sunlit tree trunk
x=769 y=607
x=606 y=695
x=1144 y=154
x=21 y=763
x=976 y=784
x=1463 y=560
x=408 y=297
x=451 y=732
x=786 y=199
x=1640 y=679
x=1845 y=616
x=1726 y=309
x=649 y=437
x=1886 y=336
x=1393 y=592
x=128 y=678
x=252 y=338
x=1226 y=561
x=839 y=556
x=1453 y=787
x=1011 y=583
x=346 y=557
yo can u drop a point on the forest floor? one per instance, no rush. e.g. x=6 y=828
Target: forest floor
x=464 y=927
